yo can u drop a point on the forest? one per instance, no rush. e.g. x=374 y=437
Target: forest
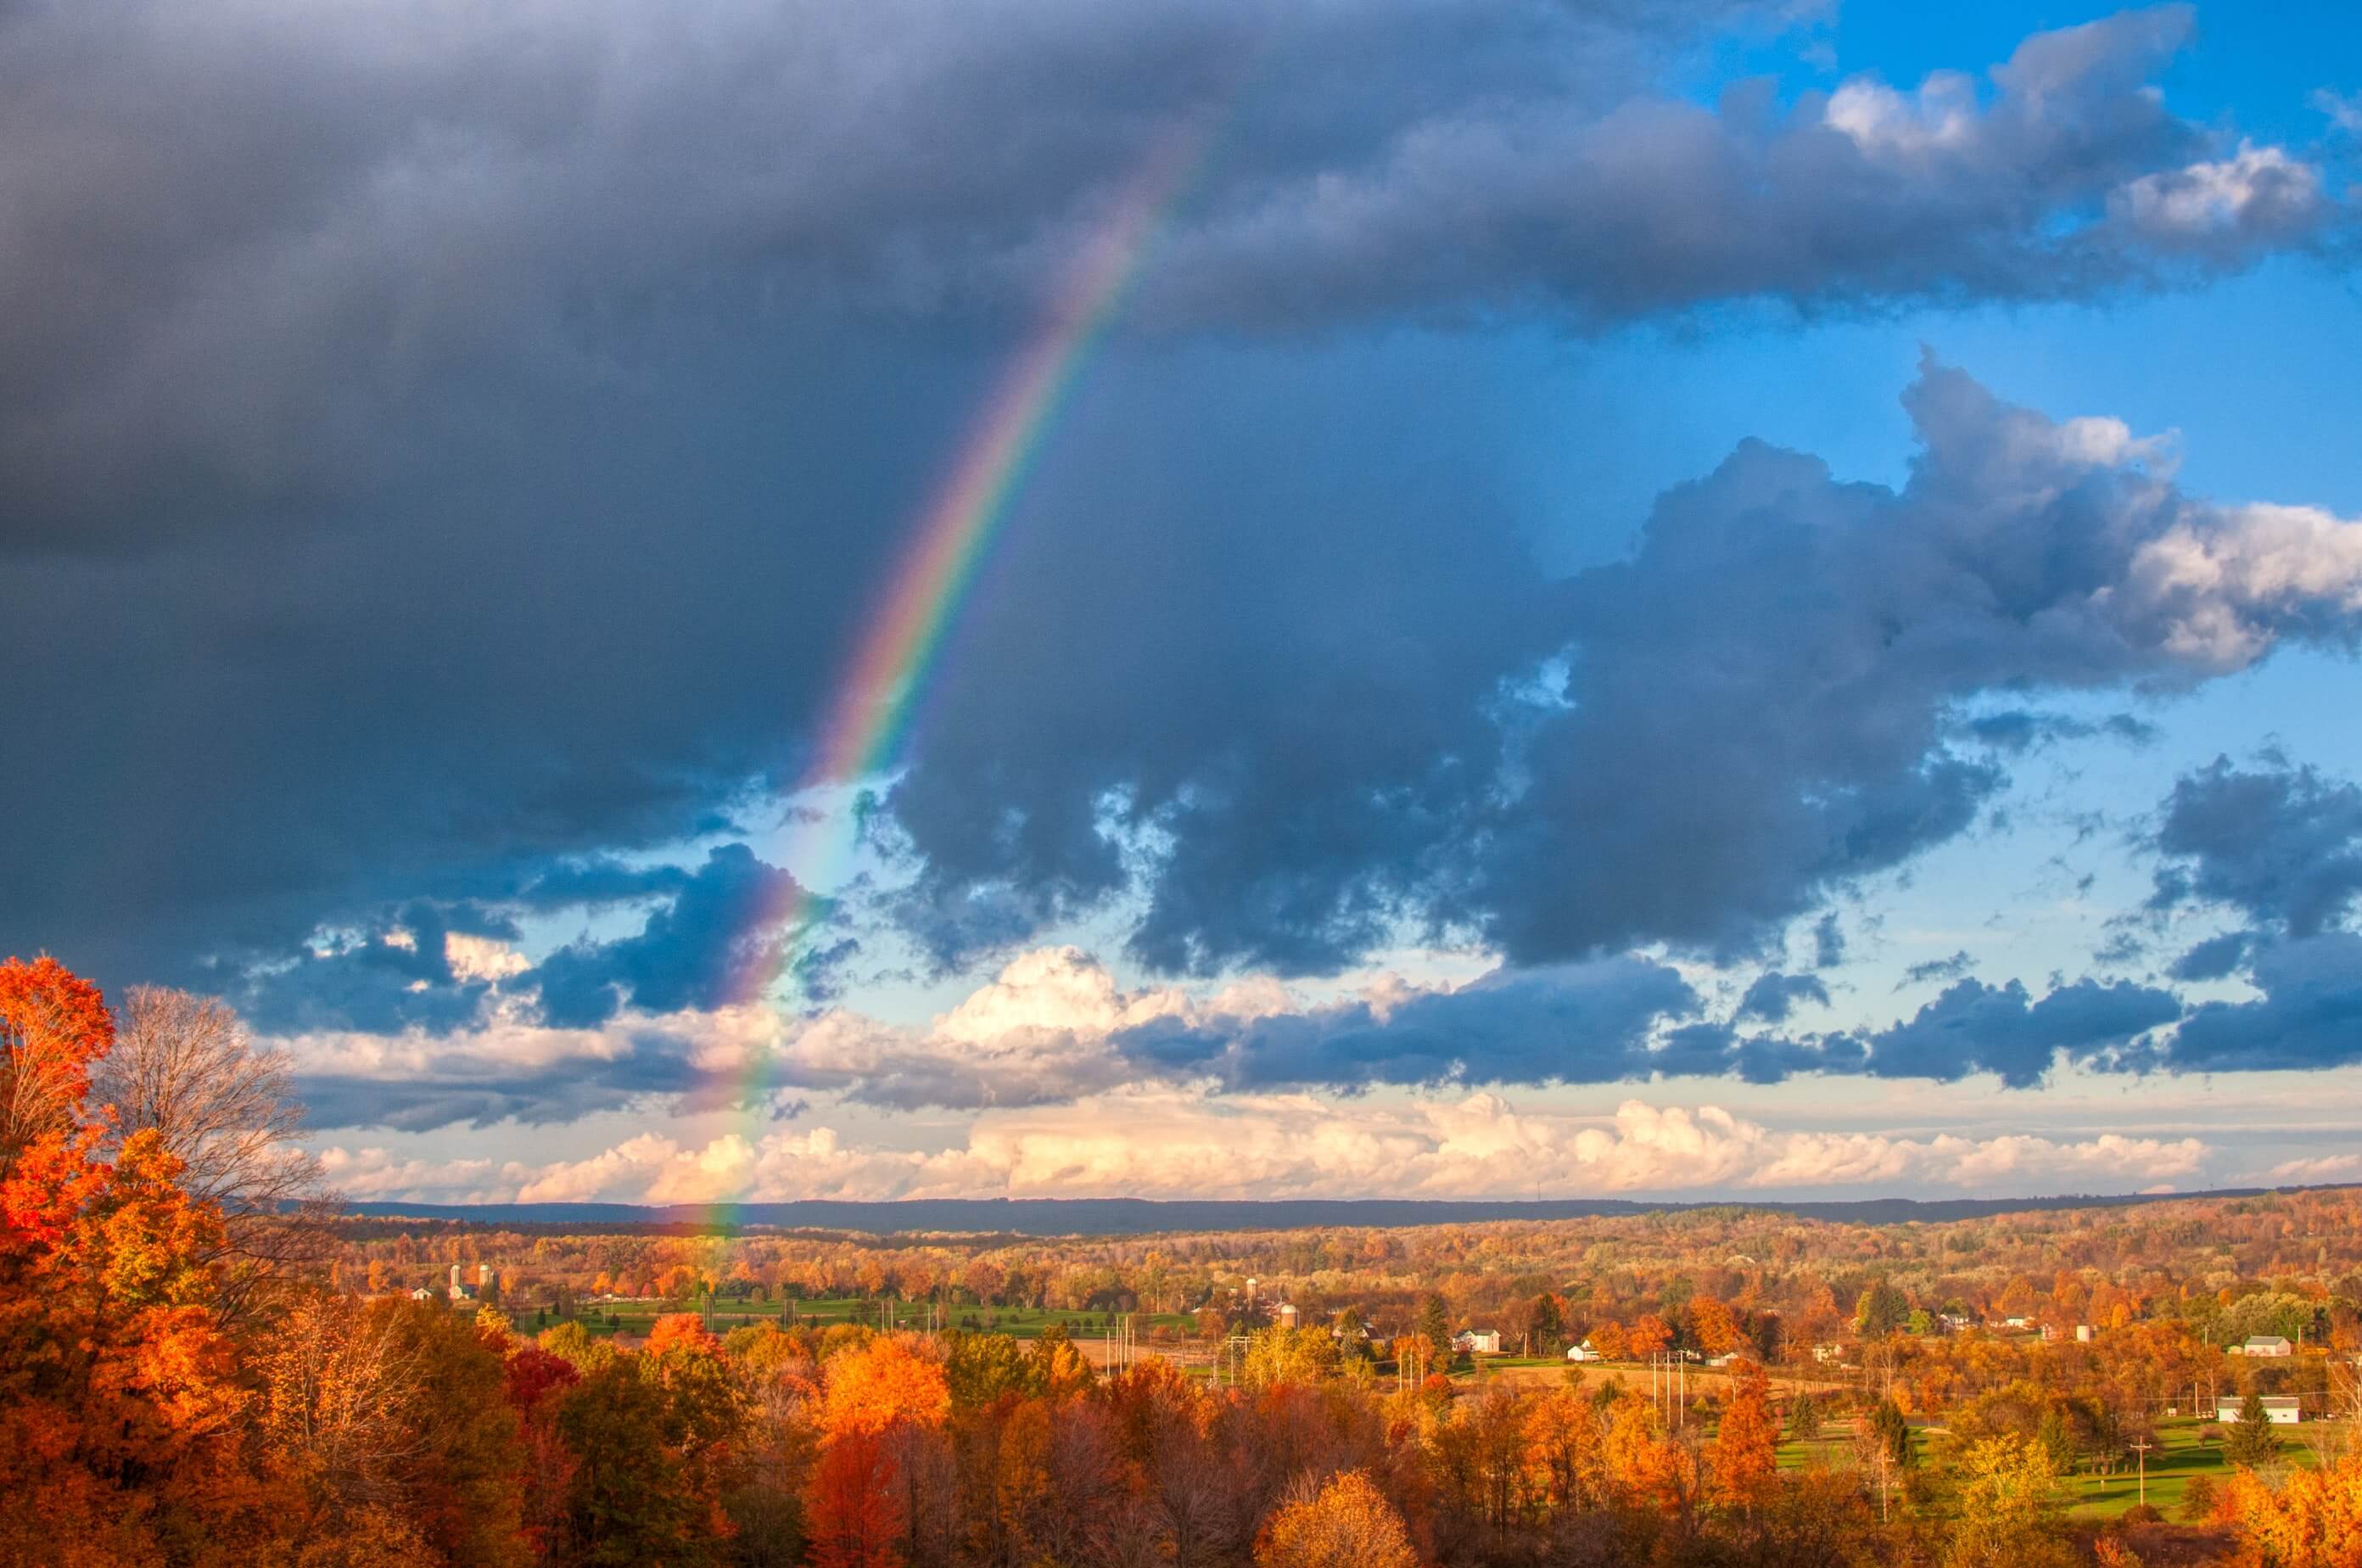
x=203 y=1360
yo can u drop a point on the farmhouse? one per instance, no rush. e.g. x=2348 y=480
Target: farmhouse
x=1581 y=1352
x=1477 y=1342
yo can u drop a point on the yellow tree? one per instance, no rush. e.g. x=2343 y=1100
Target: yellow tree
x=1348 y=1523
x=2005 y=1486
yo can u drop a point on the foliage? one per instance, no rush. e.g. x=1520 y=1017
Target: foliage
x=1348 y=1523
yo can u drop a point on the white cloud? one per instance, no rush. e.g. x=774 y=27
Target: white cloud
x=2319 y=1168
x=1940 y=117
x=481 y=958
x=1172 y=1143
x=2227 y=582
x=2256 y=189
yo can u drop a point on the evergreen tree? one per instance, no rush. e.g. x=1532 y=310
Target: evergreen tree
x=1435 y=1328
x=2252 y=1442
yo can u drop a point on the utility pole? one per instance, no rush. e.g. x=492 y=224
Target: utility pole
x=2141 y=1448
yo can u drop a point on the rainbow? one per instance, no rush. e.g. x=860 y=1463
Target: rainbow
x=871 y=711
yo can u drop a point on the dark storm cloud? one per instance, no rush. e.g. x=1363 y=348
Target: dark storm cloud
x=2280 y=843
x=2062 y=173
x=1977 y=1028
x=2309 y=1016
x=1774 y=995
x=1752 y=712
x=259 y=261
x=2213 y=958
x=717 y=942
x=437 y=459
x=1577 y=1023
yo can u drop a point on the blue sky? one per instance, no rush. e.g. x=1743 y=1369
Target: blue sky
x=1747 y=599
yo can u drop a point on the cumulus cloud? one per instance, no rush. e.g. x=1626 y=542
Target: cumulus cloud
x=1956 y=188
x=1160 y=1144
x=1757 y=709
x=1973 y=1027
x=2308 y=1014
x=2317 y=1169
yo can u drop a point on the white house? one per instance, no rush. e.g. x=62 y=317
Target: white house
x=1581 y=1352
x=2264 y=1344
x=2280 y=1410
x=1477 y=1342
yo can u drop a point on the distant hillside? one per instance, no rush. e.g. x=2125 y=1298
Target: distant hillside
x=1138 y=1216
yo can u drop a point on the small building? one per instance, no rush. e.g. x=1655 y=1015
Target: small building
x=422 y=1294
x=1728 y=1358
x=464 y=1293
x=2264 y=1344
x=2082 y=1333
x=1477 y=1342
x=1581 y=1352
x=2017 y=1323
x=2279 y=1409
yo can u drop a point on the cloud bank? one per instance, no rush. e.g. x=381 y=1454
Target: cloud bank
x=1155 y=1145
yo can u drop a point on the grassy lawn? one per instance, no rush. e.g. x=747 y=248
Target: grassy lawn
x=1832 y=1450
x=2179 y=1457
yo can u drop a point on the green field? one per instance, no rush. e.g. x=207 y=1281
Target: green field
x=2179 y=1456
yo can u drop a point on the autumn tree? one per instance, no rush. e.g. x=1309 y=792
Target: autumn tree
x=886 y=1381
x=54 y=1026
x=856 y=1518
x=186 y=1067
x=1714 y=1327
x=2005 y=1486
x=1346 y=1523
x=628 y=1501
x=1746 y=1446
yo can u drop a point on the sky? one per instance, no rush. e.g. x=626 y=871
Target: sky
x=1381 y=598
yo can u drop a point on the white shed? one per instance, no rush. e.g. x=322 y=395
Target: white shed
x=2280 y=1410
